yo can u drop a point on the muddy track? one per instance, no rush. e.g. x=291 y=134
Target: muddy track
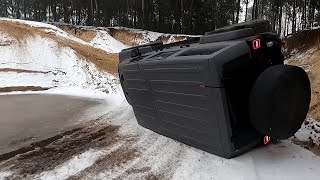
x=47 y=154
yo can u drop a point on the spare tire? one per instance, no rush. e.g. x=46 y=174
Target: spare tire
x=279 y=101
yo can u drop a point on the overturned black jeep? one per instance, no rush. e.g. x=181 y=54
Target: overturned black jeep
x=225 y=92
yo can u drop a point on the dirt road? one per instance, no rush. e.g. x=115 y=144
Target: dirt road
x=29 y=118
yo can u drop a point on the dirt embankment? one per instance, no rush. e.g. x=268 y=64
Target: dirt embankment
x=81 y=33
x=125 y=36
x=307 y=44
x=303 y=40
x=312 y=65
x=103 y=60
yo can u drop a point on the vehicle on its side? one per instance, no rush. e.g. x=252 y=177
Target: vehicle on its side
x=224 y=92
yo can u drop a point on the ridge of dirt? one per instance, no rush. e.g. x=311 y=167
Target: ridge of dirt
x=84 y=34
x=103 y=60
x=21 y=71
x=17 y=30
x=22 y=88
x=125 y=36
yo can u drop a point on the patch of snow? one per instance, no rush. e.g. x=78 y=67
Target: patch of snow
x=73 y=166
x=104 y=41
x=4 y=175
x=310 y=131
x=172 y=39
x=282 y=161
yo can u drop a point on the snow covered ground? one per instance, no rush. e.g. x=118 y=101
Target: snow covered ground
x=104 y=41
x=164 y=158
x=47 y=64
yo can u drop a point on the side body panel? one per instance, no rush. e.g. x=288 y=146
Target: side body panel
x=181 y=95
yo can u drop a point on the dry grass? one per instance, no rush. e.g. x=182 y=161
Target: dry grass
x=104 y=61
x=22 y=88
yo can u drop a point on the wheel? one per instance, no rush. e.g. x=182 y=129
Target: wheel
x=279 y=101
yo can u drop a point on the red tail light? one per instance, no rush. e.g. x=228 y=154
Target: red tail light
x=256 y=44
x=266 y=140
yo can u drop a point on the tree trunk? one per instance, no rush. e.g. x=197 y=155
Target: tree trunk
x=143 y=14
x=24 y=9
x=97 y=12
x=294 y=17
x=280 y=16
x=262 y=8
x=191 y=17
x=182 y=17
x=92 y=12
x=238 y=11
x=246 y=15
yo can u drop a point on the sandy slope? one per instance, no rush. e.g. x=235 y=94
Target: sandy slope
x=41 y=55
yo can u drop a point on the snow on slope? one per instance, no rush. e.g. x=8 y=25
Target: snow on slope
x=310 y=131
x=55 y=66
x=104 y=41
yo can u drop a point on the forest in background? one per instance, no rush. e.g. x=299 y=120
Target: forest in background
x=169 y=16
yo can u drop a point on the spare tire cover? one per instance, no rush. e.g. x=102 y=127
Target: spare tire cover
x=279 y=101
